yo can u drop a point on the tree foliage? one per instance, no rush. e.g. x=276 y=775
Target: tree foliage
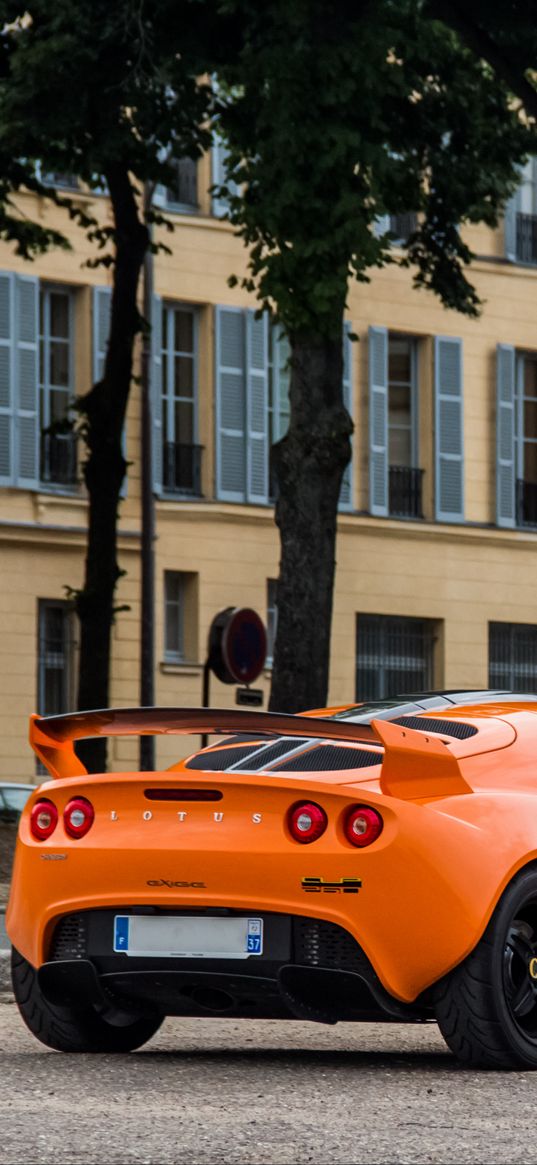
x=111 y=94
x=337 y=116
x=340 y=114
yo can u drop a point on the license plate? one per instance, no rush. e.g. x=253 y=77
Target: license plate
x=175 y=937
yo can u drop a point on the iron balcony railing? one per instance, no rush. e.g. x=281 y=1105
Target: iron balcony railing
x=58 y=459
x=526 y=238
x=403 y=225
x=182 y=469
x=526 y=503
x=405 y=491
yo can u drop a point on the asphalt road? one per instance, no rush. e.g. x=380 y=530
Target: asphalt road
x=219 y=1091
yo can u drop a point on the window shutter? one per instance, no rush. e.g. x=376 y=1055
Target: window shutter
x=378 y=421
x=381 y=225
x=257 y=332
x=102 y=306
x=345 y=496
x=230 y=404
x=156 y=394
x=219 y=155
x=6 y=378
x=505 y=435
x=281 y=353
x=449 y=463
x=26 y=380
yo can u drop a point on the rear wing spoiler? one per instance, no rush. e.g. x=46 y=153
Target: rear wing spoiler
x=414 y=763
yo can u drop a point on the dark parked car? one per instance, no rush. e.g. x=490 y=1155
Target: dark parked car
x=13 y=798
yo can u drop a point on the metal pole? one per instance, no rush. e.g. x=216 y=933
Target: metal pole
x=147 y=630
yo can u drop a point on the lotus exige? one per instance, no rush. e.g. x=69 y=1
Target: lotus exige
x=377 y=862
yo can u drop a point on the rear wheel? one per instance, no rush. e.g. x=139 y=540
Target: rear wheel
x=69 y=1029
x=487 y=1007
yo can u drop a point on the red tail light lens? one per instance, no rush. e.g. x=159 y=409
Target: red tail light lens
x=362 y=825
x=307 y=821
x=78 y=817
x=43 y=819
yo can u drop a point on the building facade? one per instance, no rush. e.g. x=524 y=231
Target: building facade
x=438 y=512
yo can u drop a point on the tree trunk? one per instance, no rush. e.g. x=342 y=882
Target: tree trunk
x=104 y=410
x=309 y=464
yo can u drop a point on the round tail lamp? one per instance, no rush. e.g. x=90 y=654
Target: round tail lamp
x=307 y=821
x=362 y=825
x=78 y=817
x=43 y=819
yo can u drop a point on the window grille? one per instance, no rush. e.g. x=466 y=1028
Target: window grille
x=513 y=656
x=394 y=656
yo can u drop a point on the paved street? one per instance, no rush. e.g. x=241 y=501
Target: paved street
x=226 y=1092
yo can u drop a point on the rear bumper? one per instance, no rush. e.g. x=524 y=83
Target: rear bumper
x=312 y=970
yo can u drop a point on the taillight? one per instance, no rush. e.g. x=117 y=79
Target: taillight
x=307 y=821
x=78 y=817
x=43 y=819
x=362 y=825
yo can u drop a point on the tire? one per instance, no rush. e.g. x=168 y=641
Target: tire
x=68 y=1029
x=486 y=1008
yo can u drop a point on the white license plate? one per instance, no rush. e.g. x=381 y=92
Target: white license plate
x=152 y=936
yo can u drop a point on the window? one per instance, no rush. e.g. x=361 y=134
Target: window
x=513 y=656
x=180 y=616
x=174 y=616
x=404 y=476
x=56 y=387
x=272 y=618
x=184 y=190
x=55 y=657
x=60 y=178
x=520 y=225
x=181 y=455
x=394 y=656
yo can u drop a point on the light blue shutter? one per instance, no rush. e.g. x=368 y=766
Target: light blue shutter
x=219 y=155
x=505 y=435
x=257 y=333
x=26 y=380
x=230 y=380
x=156 y=393
x=378 y=421
x=345 y=496
x=381 y=225
x=7 y=378
x=449 y=462
x=102 y=306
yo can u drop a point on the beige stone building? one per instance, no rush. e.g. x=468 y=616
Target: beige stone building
x=437 y=540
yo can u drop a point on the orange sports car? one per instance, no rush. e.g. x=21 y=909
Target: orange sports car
x=377 y=862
